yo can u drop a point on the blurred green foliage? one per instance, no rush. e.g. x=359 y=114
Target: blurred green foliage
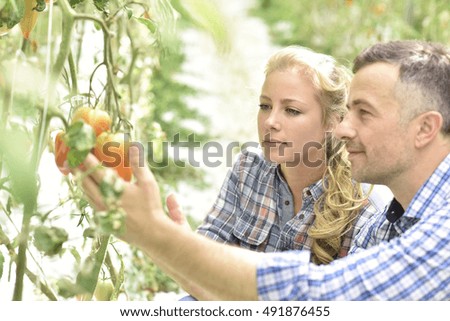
x=343 y=28
x=125 y=56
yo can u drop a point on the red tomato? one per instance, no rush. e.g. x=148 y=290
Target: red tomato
x=111 y=150
x=97 y=118
x=61 y=151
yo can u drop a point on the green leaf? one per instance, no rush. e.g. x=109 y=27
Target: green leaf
x=87 y=277
x=15 y=150
x=11 y=12
x=89 y=233
x=75 y=158
x=49 y=239
x=2 y=261
x=68 y=289
x=129 y=12
x=76 y=255
x=148 y=23
x=102 y=5
x=80 y=138
x=89 y=274
x=73 y=3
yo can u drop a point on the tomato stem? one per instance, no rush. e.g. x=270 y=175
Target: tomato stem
x=107 y=60
x=31 y=276
x=110 y=266
x=89 y=282
x=29 y=207
x=73 y=74
x=64 y=49
x=21 y=263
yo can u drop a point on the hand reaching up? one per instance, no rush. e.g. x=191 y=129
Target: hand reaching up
x=140 y=199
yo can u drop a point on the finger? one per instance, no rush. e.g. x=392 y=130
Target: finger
x=175 y=212
x=140 y=171
x=93 y=168
x=92 y=193
x=65 y=169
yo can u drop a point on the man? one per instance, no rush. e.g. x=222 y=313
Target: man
x=398 y=134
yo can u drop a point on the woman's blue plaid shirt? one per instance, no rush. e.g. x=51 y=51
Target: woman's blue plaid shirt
x=255 y=210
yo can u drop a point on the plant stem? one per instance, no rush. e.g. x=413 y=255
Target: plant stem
x=73 y=75
x=89 y=281
x=64 y=48
x=29 y=207
x=21 y=262
x=31 y=276
x=112 y=272
x=107 y=60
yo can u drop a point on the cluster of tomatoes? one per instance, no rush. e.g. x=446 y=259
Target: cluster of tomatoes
x=111 y=149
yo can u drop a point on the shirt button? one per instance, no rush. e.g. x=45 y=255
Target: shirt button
x=301 y=216
x=308 y=192
x=286 y=203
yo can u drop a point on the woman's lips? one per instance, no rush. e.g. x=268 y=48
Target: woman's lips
x=271 y=143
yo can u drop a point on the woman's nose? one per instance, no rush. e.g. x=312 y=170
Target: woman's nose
x=273 y=121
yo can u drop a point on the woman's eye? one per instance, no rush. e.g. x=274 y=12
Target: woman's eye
x=363 y=112
x=264 y=107
x=293 y=112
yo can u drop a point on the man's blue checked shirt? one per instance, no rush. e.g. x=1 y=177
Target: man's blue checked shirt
x=414 y=265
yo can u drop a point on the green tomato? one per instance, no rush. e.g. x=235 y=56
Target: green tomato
x=104 y=290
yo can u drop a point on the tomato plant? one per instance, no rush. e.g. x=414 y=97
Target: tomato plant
x=112 y=151
x=98 y=119
x=75 y=75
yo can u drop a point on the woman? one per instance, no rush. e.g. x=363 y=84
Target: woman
x=296 y=192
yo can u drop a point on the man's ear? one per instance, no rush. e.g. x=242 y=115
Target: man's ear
x=429 y=125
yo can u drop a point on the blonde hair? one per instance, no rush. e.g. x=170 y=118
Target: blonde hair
x=342 y=199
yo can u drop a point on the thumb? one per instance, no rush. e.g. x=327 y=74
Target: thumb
x=174 y=209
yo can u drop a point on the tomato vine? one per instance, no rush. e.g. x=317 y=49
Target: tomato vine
x=41 y=84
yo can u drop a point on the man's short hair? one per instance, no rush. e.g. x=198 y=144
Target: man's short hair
x=424 y=75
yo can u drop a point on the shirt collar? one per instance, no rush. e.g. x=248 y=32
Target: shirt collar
x=315 y=189
x=433 y=193
x=395 y=211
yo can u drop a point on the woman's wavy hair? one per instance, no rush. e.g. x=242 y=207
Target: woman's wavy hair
x=338 y=207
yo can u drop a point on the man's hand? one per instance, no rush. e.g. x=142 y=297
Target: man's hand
x=175 y=212
x=205 y=268
x=140 y=199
